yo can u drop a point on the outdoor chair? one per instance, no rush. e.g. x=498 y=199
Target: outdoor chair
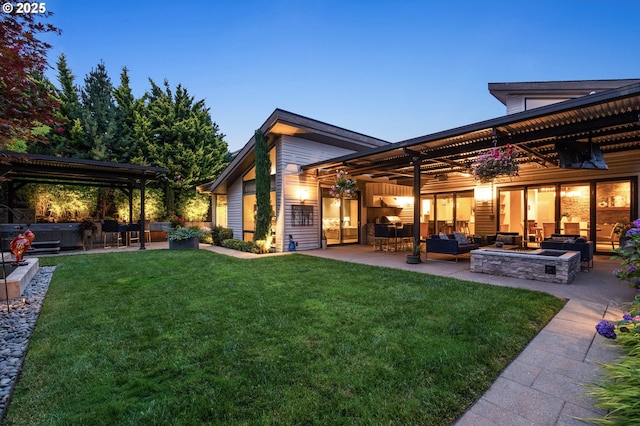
x=112 y=231
x=382 y=234
x=405 y=234
x=133 y=233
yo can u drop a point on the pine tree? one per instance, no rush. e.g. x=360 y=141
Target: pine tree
x=263 y=188
x=98 y=116
x=64 y=140
x=124 y=147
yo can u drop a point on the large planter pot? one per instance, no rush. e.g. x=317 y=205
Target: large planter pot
x=191 y=243
x=411 y=259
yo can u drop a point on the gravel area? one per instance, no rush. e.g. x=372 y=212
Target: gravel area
x=16 y=325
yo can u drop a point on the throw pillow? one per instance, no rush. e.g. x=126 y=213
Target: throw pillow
x=443 y=236
x=560 y=239
x=581 y=240
x=461 y=238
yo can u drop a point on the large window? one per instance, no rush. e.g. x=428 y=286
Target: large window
x=221 y=210
x=426 y=216
x=465 y=213
x=511 y=211
x=444 y=213
x=613 y=205
x=541 y=208
x=340 y=219
x=574 y=209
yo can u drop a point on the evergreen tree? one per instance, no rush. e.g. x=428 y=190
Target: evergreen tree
x=124 y=147
x=177 y=133
x=98 y=116
x=263 y=188
x=65 y=140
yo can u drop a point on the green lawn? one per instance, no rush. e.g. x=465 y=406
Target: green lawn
x=192 y=337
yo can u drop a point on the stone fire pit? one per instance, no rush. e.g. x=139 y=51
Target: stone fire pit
x=554 y=266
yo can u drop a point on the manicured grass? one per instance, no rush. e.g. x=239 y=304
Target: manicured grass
x=192 y=337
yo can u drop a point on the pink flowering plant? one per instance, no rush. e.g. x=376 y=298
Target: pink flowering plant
x=344 y=187
x=629 y=272
x=495 y=163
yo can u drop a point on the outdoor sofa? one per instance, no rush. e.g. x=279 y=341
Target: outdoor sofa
x=571 y=243
x=453 y=244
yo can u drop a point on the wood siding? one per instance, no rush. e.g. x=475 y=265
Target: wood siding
x=234 y=208
x=291 y=154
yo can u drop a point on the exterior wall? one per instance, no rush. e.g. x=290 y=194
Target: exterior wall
x=621 y=165
x=290 y=183
x=519 y=103
x=234 y=208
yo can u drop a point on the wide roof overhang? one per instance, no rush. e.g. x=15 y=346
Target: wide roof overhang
x=609 y=120
x=35 y=168
x=285 y=123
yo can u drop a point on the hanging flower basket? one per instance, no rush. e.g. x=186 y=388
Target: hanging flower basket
x=344 y=187
x=495 y=163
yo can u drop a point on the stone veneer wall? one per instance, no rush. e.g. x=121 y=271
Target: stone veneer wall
x=527 y=265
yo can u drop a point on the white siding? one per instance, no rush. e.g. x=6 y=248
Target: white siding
x=234 y=208
x=292 y=153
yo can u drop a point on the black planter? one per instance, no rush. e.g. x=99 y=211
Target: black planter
x=413 y=260
x=189 y=244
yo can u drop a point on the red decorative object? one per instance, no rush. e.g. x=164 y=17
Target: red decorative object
x=19 y=246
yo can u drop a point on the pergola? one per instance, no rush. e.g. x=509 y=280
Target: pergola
x=609 y=120
x=19 y=169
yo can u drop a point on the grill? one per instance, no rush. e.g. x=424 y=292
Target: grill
x=391 y=220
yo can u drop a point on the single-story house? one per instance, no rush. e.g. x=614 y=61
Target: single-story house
x=578 y=145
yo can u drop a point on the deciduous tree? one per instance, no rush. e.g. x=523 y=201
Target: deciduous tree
x=26 y=98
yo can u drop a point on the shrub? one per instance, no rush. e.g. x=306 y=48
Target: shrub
x=246 y=246
x=220 y=233
x=206 y=238
x=618 y=391
x=182 y=234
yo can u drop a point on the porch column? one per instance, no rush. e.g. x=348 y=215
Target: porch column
x=416 y=198
x=141 y=235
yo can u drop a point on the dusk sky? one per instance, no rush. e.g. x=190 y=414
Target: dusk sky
x=389 y=69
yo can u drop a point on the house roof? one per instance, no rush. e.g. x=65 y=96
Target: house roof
x=282 y=122
x=35 y=168
x=569 y=89
x=609 y=119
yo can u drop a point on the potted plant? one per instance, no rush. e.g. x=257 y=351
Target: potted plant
x=184 y=238
x=344 y=187
x=494 y=163
x=414 y=257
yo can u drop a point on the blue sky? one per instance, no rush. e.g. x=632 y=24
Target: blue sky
x=390 y=69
